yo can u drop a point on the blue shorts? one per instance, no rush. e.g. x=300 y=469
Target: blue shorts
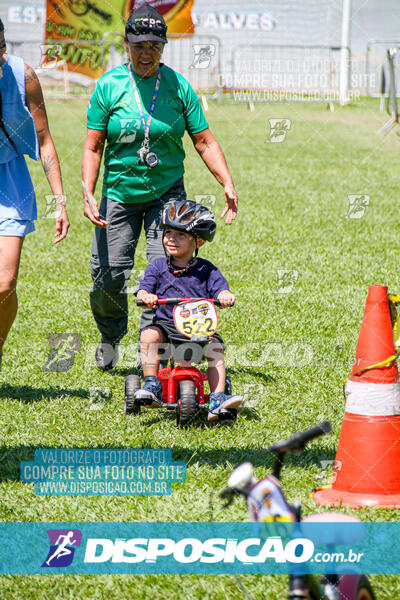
x=15 y=227
x=17 y=199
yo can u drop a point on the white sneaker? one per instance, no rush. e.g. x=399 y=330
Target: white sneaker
x=219 y=401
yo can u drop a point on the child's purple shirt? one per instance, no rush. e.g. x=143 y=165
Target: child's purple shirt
x=203 y=280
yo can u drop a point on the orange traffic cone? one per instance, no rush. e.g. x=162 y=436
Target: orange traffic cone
x=367 y=465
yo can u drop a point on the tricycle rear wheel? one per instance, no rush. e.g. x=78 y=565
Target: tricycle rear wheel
x=132 y=384
x=228 y=386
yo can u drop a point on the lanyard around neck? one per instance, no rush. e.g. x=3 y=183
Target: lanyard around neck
x=146 y=124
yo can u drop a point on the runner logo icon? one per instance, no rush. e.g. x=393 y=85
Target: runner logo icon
x=63 y=543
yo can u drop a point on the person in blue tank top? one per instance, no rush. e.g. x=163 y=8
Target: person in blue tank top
x=23 y=130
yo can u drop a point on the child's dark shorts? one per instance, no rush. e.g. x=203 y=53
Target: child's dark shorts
x=182 y=348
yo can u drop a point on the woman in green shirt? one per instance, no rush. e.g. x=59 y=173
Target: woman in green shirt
x=142 y=110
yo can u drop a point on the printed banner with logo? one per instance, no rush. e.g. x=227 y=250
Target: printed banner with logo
x=96 y=27
x=199 y=548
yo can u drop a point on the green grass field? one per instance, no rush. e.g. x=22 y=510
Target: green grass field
x=293 y=205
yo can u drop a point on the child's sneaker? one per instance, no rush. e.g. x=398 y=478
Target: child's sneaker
x=219 y=401
x=151 y=393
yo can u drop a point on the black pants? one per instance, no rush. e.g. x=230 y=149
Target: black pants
x=113 y=253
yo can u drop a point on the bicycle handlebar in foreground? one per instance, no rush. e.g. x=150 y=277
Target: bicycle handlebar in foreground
x=299 y=440
x=281 y=449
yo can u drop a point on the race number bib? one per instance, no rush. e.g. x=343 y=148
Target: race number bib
x=196 y=319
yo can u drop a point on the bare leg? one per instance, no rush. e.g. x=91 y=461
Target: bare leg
x=10 y=252
x=150 y=339
x=216 y=379
x=216 y=367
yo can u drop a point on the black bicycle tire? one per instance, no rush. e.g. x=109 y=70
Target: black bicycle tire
x=364 y=586
x=314 y=588
x=132 y=384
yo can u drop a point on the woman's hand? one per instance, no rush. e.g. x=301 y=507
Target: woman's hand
x=91 y=211
x=231 y=200
x=226 y=298
x=212 y=155
x=150 y=300
x=62 y=224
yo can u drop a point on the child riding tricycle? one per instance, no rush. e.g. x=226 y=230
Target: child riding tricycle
x=188 y=323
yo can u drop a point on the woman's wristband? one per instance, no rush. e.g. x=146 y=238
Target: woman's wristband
x=60 y=199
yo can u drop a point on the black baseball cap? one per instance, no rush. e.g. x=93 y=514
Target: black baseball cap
x=146 y=24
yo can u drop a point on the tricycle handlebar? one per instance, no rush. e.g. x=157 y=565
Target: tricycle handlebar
x=178 y=301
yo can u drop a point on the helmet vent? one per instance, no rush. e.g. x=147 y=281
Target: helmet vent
x=182 y=209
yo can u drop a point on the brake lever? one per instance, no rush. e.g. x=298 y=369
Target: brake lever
x=230 y=493
x=226 y=493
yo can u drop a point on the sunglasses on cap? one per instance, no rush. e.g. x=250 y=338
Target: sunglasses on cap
x=147 y=25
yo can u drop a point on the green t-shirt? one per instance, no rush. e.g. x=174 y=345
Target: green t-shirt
x=113 y=107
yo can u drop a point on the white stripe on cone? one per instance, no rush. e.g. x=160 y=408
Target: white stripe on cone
x=372 y=399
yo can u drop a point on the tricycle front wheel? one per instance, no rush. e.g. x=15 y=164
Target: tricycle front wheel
x=186 y=405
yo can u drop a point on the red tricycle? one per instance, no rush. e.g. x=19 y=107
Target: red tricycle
x=183 y=385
